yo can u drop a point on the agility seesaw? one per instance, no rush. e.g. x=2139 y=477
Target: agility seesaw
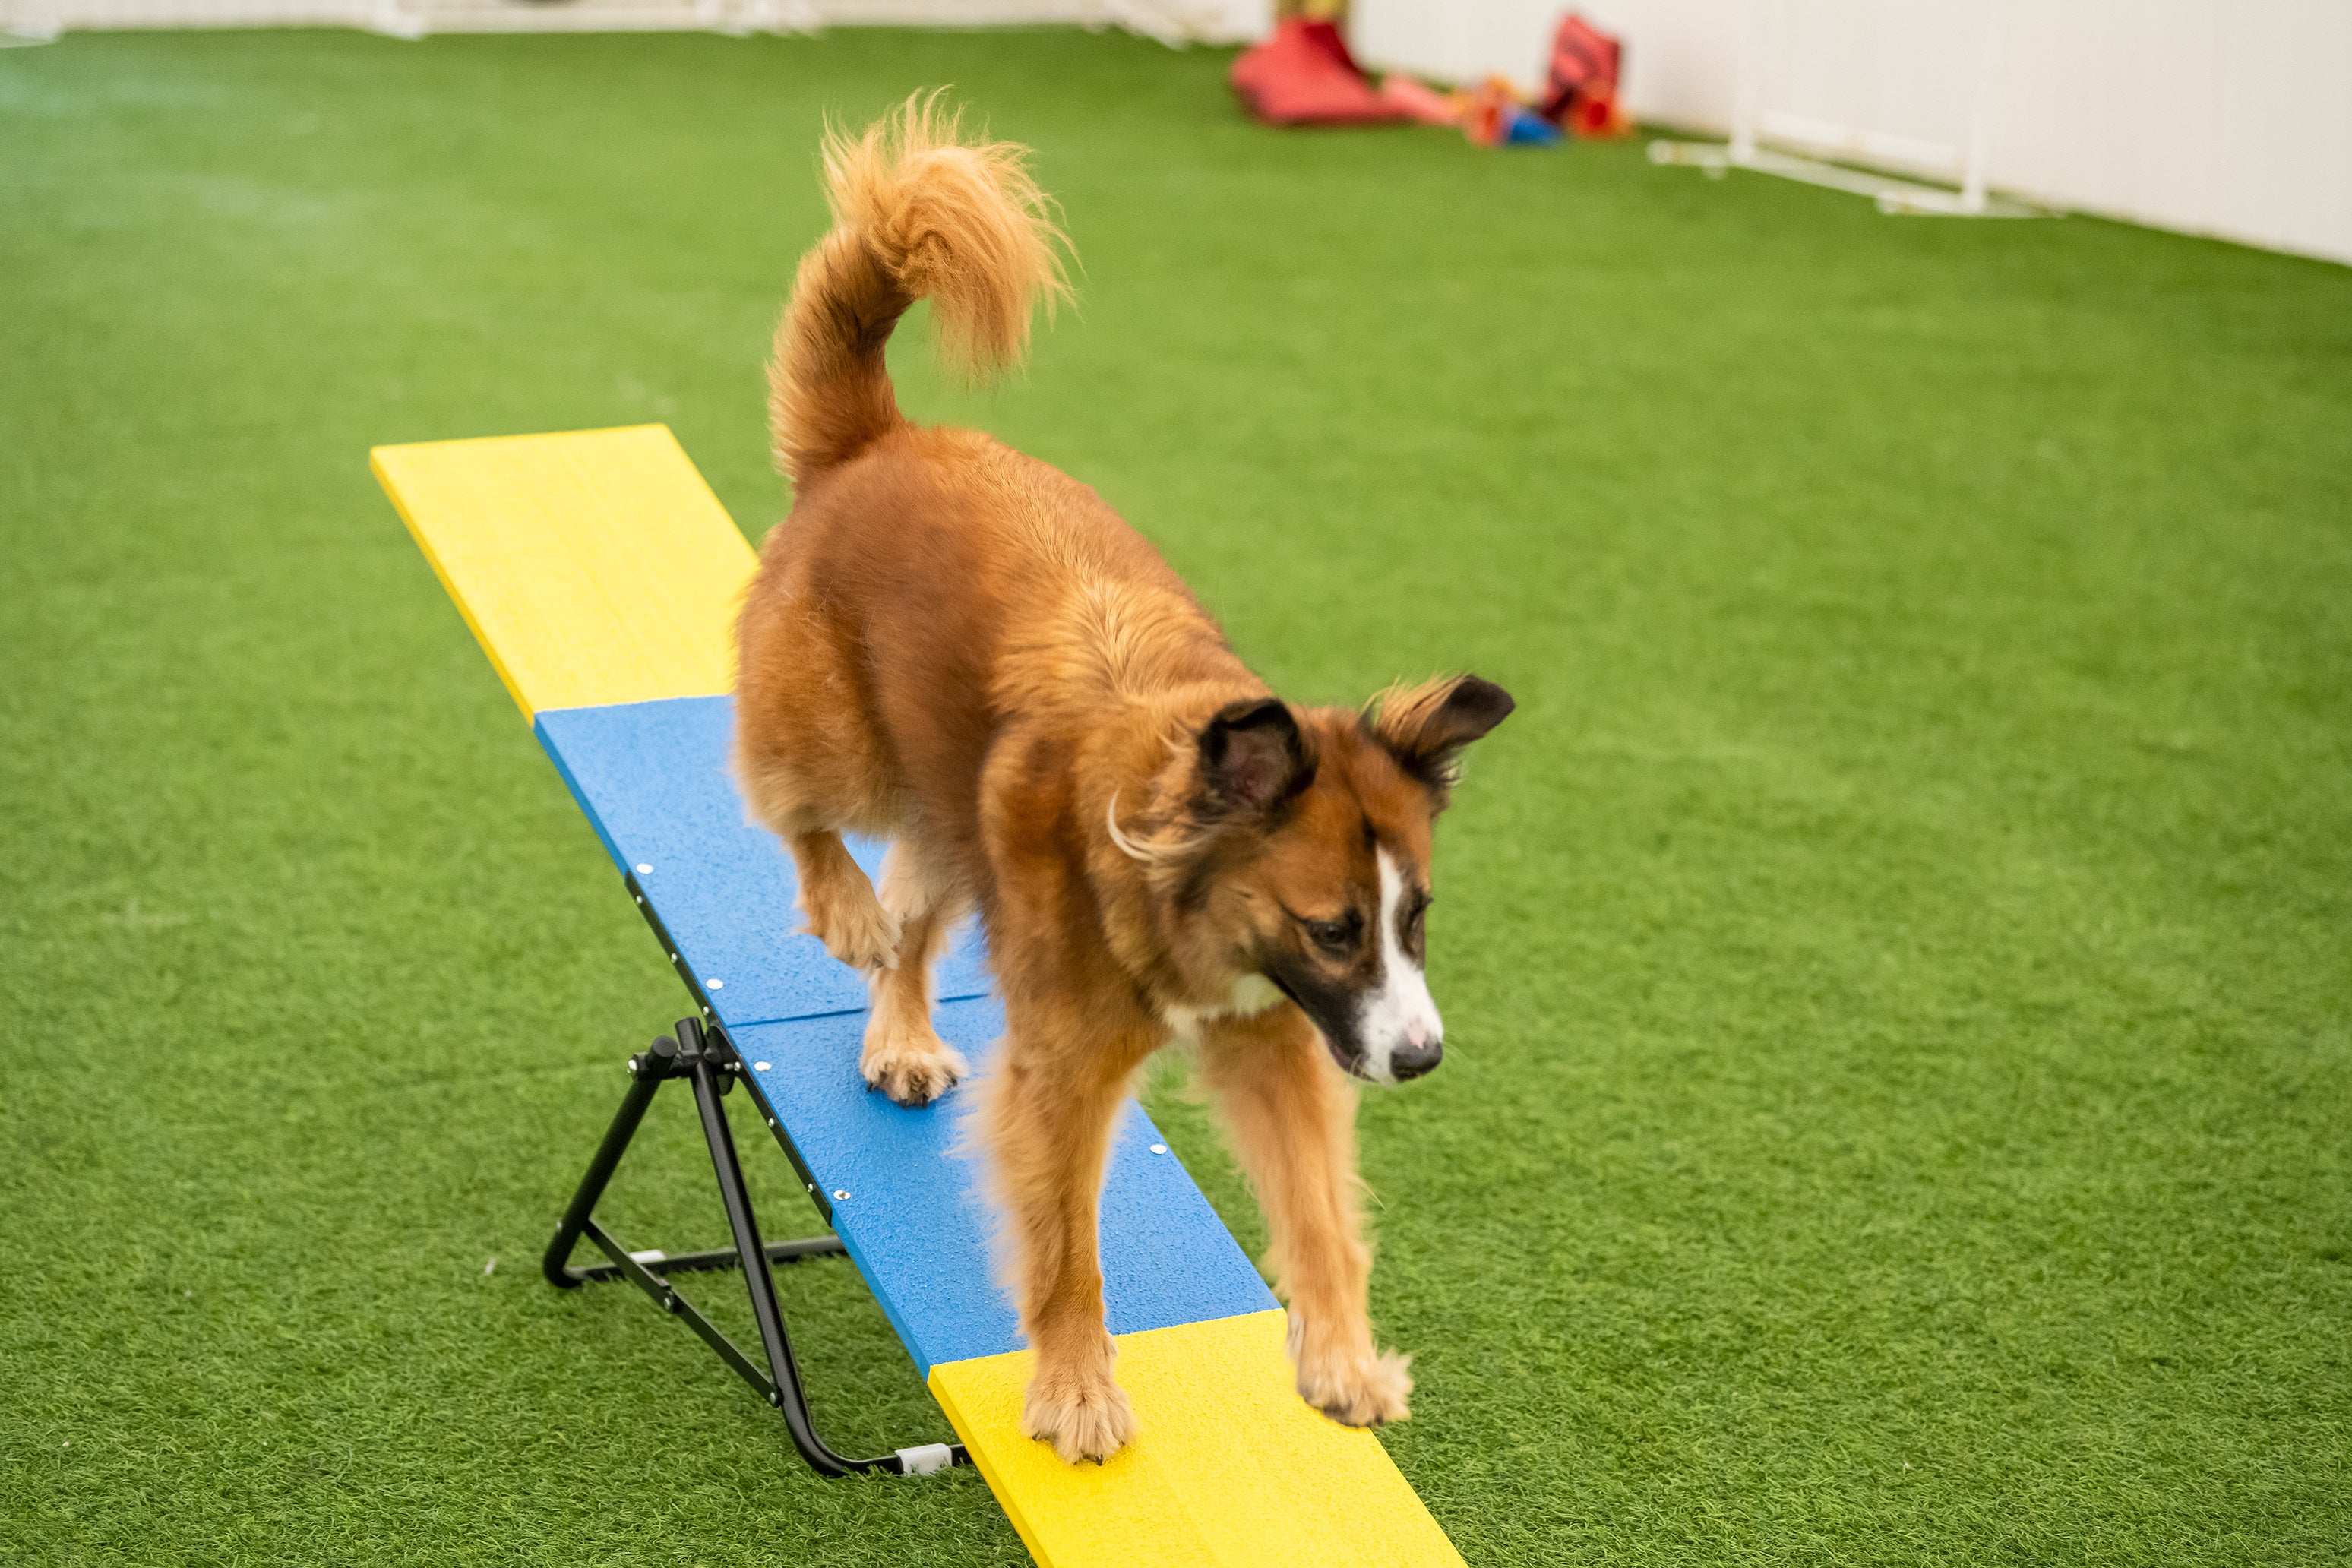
x=601 y=575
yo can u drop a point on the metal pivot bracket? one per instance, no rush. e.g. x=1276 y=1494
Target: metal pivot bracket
x=704 y=1058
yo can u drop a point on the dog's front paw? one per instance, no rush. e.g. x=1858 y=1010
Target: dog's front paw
x=1083 y=1415
x=852 y=923
x=913 y=1066
x=1356 y=1388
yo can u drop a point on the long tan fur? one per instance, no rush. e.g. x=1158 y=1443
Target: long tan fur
x=955 y=646
x=916 y=213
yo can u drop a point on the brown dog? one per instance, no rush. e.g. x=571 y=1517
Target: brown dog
x=959 y=647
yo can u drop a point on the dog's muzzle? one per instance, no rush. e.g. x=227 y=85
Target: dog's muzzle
x=1411 y=1061
x=1338 y=1017
x=1406 y=1061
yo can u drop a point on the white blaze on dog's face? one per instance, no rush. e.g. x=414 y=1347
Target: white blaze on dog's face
x=1320 y=882
x=1397 y=1022
x=1355 y=956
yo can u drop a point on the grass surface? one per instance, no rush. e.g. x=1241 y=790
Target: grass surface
x=1897 y=955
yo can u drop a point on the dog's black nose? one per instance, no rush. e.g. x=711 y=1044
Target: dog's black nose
x=1411 y=1061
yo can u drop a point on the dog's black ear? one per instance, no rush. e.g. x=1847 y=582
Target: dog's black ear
x=1252 y=757
x=1426 y=727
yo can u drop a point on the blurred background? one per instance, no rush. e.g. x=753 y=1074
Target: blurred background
x=2222 y=121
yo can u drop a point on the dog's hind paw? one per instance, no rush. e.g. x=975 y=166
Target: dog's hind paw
x=853 y=924
x=1362 y=1389
x=915 y=1070
x=1084 y=1416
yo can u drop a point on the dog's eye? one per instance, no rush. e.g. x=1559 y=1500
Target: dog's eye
x=1334 y=936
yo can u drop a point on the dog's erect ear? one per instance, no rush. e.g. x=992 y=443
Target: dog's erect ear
x=1252 y=757
x=1426 y=727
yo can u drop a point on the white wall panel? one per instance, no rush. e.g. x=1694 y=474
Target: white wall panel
x=1175 y=20
x=2232 y=120
x=1457 y=42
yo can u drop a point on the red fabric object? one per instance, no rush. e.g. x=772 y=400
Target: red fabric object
x=1419 y=101
x=1584 y=63
x=1597 y=114
x=1305 y=76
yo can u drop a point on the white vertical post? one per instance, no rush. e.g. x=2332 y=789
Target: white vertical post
x=393 y=20
x=1747 y=87
x=1988 y=93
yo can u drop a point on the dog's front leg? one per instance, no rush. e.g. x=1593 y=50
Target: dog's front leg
x=1050 y=1109
x=1292 y=1113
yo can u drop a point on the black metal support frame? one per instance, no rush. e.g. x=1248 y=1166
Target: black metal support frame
x=707 y=1060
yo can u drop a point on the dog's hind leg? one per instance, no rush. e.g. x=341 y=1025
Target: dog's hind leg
x=839 y=904
x=805 y=806
x=904 y=1056
x=808 y=757
x=1291 y=1114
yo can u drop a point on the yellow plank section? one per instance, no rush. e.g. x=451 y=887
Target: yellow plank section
x=1231 y=1467
x=595 y=566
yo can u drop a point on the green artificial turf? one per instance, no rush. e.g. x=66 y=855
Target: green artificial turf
x=1895 y=959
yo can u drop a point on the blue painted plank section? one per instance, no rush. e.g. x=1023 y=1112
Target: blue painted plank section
x=652 y=777
x=917 y=1227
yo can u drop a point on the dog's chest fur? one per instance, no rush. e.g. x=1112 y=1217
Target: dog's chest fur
x=1252 y=994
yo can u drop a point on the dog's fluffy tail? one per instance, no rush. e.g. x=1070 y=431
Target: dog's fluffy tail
x=917 y=213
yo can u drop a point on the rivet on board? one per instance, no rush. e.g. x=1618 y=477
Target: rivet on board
x=841 y=1194
x=1159 y=1147
x=644 y=869
x=759 y=1066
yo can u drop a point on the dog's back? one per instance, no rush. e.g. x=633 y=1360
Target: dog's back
x=930 y=582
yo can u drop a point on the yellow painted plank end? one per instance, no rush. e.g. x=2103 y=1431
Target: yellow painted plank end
x=1230 y=1466
x=594 y=566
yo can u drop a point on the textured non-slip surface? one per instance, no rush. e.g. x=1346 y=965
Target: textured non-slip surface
x=1894 y=961
x=652 y=777
x=917 y=1226
x=594 y=565
x=1228 y=1469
